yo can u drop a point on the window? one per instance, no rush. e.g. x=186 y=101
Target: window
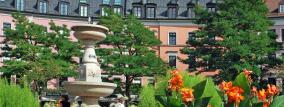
x=103 y=11
x=272 y=56
x=63 y=8
x=117 y=2
x=191 y=13
x=191 y=36
x=6 y=25
x=105 y=1
x=117 y=10
x=172 y=12
x=281 y=8
x=20 y=5
x=202 y=2
x=211 y=9
x=150 y=12
x=83 y=1
x=172 y=38
x=173 y=61
x=137 y=12
x=83 y=10
x=42 y=7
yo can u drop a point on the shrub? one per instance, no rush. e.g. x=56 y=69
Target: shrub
x=147 y=97
x=12 y=95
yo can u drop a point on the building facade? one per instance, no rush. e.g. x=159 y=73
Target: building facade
x=171 y=20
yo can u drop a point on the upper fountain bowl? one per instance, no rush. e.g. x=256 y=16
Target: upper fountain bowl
x=91 y=32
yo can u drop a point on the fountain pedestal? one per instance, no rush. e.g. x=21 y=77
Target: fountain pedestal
x=90 y=86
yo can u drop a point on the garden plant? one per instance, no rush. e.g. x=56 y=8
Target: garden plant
x=180 y=89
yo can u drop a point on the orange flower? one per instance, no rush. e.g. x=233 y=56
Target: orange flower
x=261 y=95
x=226 y=85
x=247 y=74
x=187 y=95
x=235 y=94
x=254 y=90
x=265 y=104
x=271 y=90
x=174 y=72
x=176 y=82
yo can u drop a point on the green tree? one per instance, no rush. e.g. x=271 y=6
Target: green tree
x=38 y=53
x=245 y=40
x=132 y=53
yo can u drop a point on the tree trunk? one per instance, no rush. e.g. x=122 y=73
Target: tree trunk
x=128 y=84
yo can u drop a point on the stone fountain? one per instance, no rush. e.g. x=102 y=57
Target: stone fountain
x=90 y=86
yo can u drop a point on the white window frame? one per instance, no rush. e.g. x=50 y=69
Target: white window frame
x=117 y=2
x=281 y=8
x=137 y=11
x=169 y=38
x=106 y=1
x=103 y=12
x=148 y=14
x=172 y=12
x=115 y=10
x=20 y=5
x=42 y=7
x=67 y=8
x=83 y=1
x=83 y=10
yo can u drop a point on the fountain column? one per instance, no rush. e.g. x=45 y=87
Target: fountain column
x=89 y=85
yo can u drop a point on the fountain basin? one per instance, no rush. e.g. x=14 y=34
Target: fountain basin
x=90 y=32
x=89 y=89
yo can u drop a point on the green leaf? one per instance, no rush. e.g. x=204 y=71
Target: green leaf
x=245 y=103
x=242 y=82
x=202 y=102
x=278 y=101
x=207 y=89
x=258 y=104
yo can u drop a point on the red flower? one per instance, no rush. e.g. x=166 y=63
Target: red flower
x=187 y=95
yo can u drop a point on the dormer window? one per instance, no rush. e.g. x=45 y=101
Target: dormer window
x=137 y=11
x=190 y=10
x=281 y=8
x=211 y=7
x=64 y=6
x=83 y=10
x=106 y=1
x=104 y=10
x=117 y=2
x=117 y=10
x=42 y=6
x=20 y=5
x=83 y=1
x=151 y=10
x=172 y=12
x=172 y=9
